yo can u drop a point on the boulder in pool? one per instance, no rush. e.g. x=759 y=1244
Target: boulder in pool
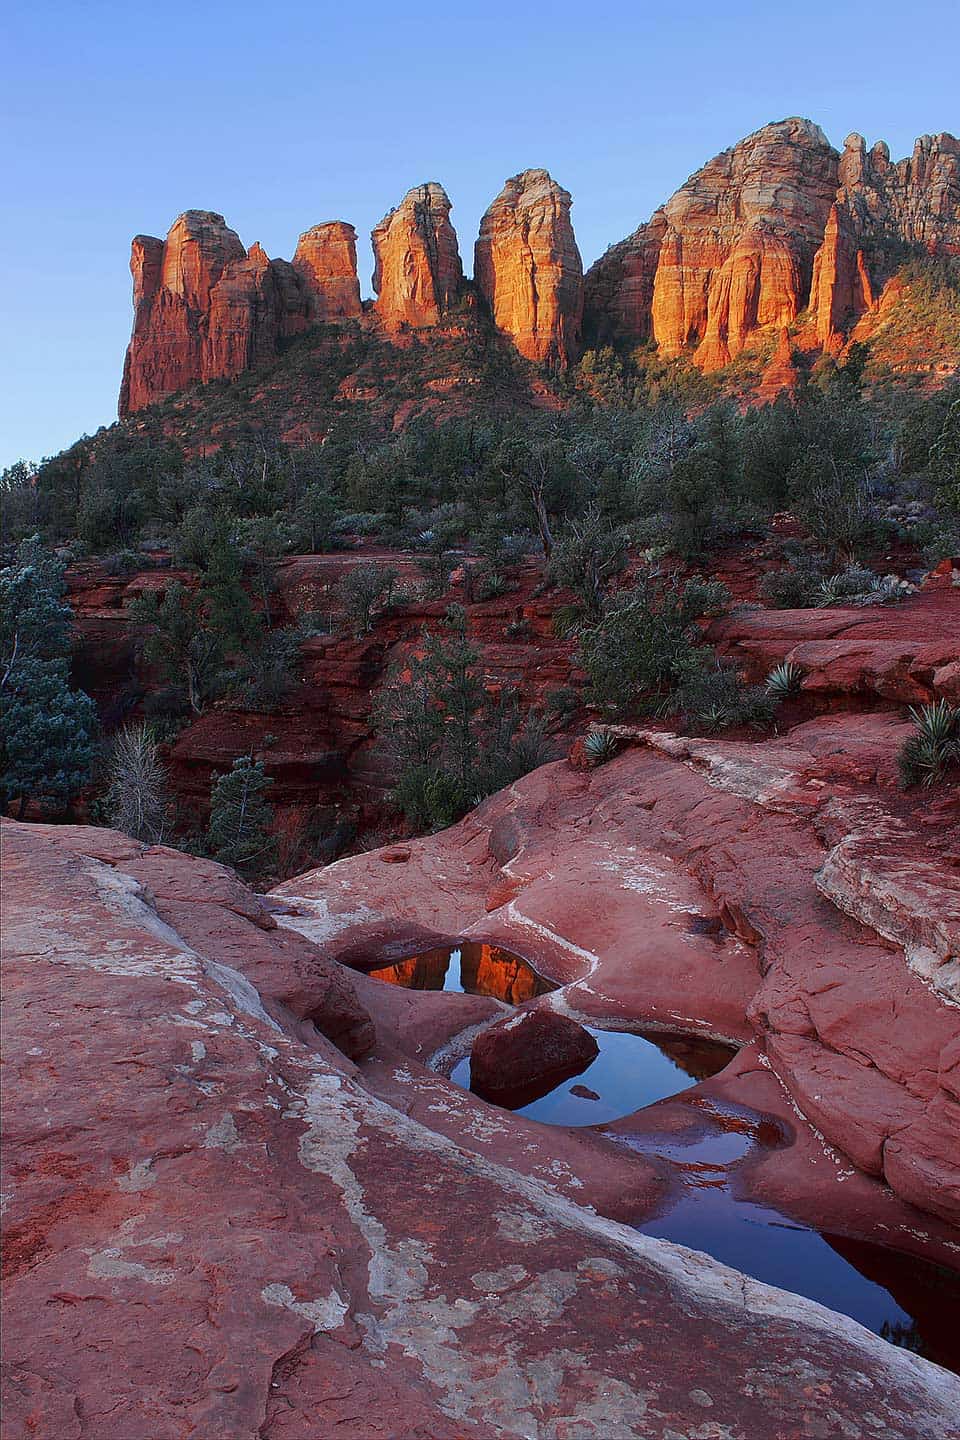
x=521 y=1058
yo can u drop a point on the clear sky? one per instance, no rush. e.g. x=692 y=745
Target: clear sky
x=118 y=115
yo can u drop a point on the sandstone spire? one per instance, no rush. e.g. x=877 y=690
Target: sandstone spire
x=417 y=272
x=528 y=268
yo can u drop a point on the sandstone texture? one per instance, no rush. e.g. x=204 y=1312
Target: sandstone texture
x=781 y=232
x=417 y=274
x=765 y=232
x=732 y=889
x=528 y=268
x=326 y=262
x=206 y=309
x=228 y=1231
x=534 y=1048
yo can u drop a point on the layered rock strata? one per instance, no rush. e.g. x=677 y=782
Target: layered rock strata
x=528 y=268
x=417 y=273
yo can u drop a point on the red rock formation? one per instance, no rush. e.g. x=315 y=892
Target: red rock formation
x=216 y=1225
x=326 y=261
x=417 y=270
x=528 y=268
x=781 y=374
x=840 y=291
x=733 y=252
x=205 y=308
x=741 y=234
x=534 y=1050
x=839 y=922
x=618 y=289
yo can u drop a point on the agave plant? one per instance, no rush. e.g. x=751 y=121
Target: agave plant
x=926 y=755
x=783 y=681
x=601 y=745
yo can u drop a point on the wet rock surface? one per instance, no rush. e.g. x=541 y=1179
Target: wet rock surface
x=217 y=1228
x=532 y=1051
x=838 y=920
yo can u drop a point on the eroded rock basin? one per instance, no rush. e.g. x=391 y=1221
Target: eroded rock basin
x=908 y=1301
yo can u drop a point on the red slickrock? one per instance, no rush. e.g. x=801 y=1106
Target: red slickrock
x=417 y=270
x=840 y=921
x=217 y=1225
x=528 y=268
x=326 y=262
x=534 y=1048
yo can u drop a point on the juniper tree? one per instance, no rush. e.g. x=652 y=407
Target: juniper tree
x=241 y=817
x=46 y=727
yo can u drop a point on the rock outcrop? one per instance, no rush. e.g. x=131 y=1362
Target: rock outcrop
x=216 y=1226
x=741 y=890
x=326 y=262
x=775 y=227
x=417 y=271
x=778 y=224
x=528 y=268
x=534 y=1050
x=207 y=309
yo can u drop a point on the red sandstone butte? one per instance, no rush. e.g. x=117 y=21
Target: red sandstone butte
x=778 y=224
x=528 y=268
x=417 y=272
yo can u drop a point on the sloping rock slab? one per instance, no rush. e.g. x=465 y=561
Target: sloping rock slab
x=213 y=1230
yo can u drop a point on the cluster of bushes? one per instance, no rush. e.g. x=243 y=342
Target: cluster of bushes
x=450 y=740
x=856 y=474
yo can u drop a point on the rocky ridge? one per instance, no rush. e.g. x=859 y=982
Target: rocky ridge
x=778 y=234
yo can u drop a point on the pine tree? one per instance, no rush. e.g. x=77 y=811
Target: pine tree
x=241 y=816
x=46 y=728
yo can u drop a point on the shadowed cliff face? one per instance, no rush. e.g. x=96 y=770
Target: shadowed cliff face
x=780 y=233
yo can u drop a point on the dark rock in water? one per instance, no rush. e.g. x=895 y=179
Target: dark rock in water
x=583 y=1093
x=533 y=1051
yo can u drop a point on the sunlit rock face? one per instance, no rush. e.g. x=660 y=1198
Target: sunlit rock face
x=776 y=225
x=205 y=308
x=417 y=274
x=528 y=268
x=326 y=263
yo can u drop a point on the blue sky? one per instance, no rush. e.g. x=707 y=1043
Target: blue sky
x=119 y=116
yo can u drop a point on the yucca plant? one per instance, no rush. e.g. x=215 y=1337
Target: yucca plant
x=926 y=755
x=601 y=745
x=783 y=681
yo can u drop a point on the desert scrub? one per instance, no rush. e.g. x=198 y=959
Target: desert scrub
x=715 y=698
x=934 y=747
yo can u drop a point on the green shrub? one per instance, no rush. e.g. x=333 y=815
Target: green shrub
x=783 y=681
x=601 y=745
x=714 y=698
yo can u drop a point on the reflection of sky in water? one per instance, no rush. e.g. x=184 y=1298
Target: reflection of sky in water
x=632 y=1072
x=629 y=1073
x=763 y=1244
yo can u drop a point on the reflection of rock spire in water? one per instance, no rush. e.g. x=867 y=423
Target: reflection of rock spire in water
x=483 y=970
